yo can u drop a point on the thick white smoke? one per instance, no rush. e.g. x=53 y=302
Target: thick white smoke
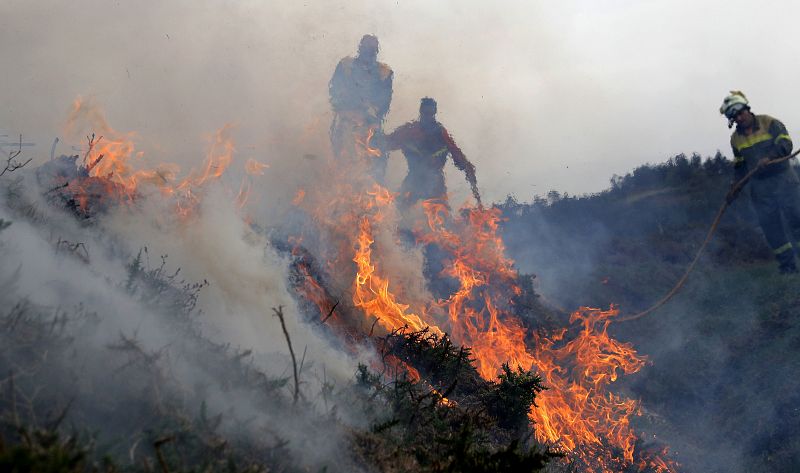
x=43 y=266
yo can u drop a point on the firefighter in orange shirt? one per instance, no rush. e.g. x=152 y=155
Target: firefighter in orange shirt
x=426 y=144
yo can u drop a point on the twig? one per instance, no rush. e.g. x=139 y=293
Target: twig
x=92 y=143
x=329 y=313
x=58 y=187
x=157 y=445
x=95 y=163
x=371 y=329
x=11 y=163
x=73 y=248
x=279 y=315
x=303 y=359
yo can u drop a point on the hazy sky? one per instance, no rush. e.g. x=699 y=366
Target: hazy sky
x=539 y=95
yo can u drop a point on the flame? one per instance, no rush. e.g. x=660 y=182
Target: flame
x=218 y=158
x=299 y=196
x=111 y=158
x=478 y=263
x=579 y=414
x=372 y=293
x=255 y=168
x=244 y=193
x=366 y=145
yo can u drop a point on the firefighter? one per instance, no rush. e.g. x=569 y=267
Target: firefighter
x=775 y=188
x=360 y=94
x=426 y=144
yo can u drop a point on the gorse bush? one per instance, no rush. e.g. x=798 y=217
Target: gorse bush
x=448 y=420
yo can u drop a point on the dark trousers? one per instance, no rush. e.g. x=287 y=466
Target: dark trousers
x=776 y=200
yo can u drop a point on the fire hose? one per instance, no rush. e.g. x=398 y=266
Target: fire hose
x=729 y=198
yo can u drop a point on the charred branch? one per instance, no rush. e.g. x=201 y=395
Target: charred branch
x=162 y=462
x=78 y=249
x=94 y=163
x=92 y=143
x=329 y=313
x=12 y=164
x=279 y=314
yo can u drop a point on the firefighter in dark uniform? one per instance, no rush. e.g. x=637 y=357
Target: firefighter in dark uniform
x=775 y=188
x=426 y=144
x=360 y=94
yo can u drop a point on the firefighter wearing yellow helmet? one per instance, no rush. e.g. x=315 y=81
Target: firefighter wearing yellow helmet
x=774 y=189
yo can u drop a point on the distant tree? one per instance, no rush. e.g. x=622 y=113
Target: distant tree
x=697 y=161
x=616 y=182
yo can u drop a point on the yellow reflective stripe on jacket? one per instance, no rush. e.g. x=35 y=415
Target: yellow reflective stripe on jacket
x=782 y=248
x=440 y=152
x=743 y=142
x=783 y=137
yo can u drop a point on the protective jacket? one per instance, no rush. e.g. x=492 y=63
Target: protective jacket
x=426 y=150
x=360 y=94
x=769 y=139
x=361 y=87
x=774 y=189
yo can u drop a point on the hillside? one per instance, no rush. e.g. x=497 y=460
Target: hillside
x=722 y=388
x=155 y=332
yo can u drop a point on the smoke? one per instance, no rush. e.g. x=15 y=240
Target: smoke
x=85 y=276
x=538 y=96
x=561 y=256
x=717 y=388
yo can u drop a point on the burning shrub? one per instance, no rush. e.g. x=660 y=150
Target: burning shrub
x=71 y=186
x=450 y=370
x=511 y=399
x=443 y=417
x=444 y=365
x=427 y=433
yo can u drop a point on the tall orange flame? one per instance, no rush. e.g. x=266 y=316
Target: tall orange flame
x=366 y=145
x=579 y=414
x=371 y=292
